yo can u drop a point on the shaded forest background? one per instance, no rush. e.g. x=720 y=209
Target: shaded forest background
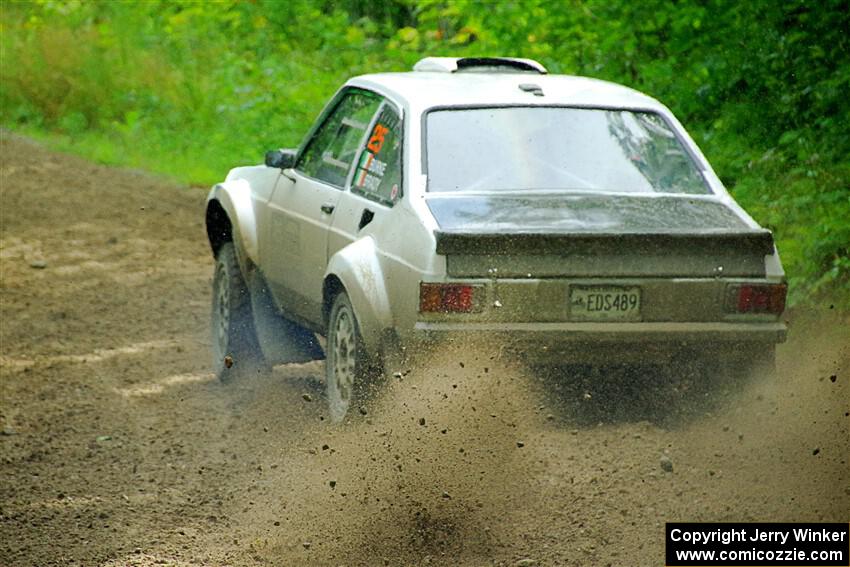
x=190 y=89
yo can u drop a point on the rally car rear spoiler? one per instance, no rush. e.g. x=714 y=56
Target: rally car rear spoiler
x=537 y=243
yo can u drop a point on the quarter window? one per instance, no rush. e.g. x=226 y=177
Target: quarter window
x=331 y=150
x=378 y=172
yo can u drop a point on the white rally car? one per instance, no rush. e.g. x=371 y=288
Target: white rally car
x=566 y=219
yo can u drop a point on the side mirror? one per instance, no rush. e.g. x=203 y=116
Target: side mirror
x=281 y=159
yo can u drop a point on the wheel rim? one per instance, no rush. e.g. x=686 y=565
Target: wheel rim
x=344 y=351
x=222 y=294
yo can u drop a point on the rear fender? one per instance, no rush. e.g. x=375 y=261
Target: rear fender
x=234 y=196
x=359 y=269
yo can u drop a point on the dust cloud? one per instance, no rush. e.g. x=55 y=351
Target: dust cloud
x=424 y=468
x=468 y=457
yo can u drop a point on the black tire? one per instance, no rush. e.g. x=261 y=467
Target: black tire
x=235 y=349
x=348 y=371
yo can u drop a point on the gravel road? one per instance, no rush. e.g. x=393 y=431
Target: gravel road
x=119 y=447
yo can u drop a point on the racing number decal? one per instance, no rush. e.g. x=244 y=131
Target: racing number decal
x=376 y=142
x=372 y=169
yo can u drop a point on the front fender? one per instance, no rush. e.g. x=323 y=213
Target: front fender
x=358 y=267
x=234 y=196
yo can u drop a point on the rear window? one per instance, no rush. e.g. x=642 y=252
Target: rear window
x=556 y=148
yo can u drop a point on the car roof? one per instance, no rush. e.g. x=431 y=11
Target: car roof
x=420 y=90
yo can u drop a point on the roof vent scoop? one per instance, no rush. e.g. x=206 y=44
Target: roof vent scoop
x=480 y=65
x=531 y=88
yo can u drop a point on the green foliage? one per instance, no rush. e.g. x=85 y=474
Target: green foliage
x=190 y=88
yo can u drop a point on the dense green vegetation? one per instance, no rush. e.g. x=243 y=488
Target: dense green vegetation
x=190 y=88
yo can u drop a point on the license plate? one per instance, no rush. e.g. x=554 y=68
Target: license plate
x=604 y=303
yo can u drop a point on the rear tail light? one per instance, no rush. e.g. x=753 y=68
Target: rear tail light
x=757 y=298
x=446 y=298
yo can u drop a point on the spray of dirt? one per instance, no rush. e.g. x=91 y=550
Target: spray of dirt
x=469 y=457
x=430 y=470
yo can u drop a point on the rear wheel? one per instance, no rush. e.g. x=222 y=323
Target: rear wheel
x=348 y=372
x=235 y=348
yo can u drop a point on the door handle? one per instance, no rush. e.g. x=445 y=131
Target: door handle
x=327 y=208
x=365 y=218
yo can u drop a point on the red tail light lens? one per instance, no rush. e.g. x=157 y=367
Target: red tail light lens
x=762 y=298
x=446 y=298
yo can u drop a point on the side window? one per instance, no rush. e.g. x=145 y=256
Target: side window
x=332 y=148
x=378 y=173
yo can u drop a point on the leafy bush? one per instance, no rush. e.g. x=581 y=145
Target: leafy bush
x=191 y=89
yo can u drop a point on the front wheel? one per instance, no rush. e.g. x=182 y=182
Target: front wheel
x=347 y=370
x=234 y=340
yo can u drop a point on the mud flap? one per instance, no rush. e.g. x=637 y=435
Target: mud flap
x=281 y=340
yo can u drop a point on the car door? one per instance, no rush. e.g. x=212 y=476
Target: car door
x=301 y=208
x=376 y=184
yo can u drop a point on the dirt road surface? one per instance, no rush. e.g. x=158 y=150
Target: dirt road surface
x=118 y=446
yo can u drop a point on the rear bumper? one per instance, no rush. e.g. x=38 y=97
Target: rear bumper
x=774 y=332
x=612 y=342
